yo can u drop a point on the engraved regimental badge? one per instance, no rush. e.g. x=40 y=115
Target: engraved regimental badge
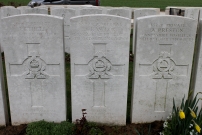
x=99 y=67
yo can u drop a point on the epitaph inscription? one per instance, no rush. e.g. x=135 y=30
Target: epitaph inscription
x=163 y=62
x=99 y=62
x=35 y=67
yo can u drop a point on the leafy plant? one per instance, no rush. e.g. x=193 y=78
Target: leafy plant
x=95 y=131
x=50 y=128
x=184 y=119
x=142 y=132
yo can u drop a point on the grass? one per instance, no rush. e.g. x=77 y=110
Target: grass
x=132 y=3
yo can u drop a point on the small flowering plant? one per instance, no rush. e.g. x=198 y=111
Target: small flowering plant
x=184 y=120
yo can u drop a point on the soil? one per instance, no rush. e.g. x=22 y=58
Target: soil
x=129 y=129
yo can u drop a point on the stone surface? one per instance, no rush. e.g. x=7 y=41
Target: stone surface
x=35 y=71
x=3 y=103
x=66 y=13
x=22 y=8
x=34 y=11
x=197 y=72
x=140 y=13
x=89 y=10
x=192 y=13
x=5 y=12
x=99 y=67
x=124 y=12
x=9 y=11
x=162 y=65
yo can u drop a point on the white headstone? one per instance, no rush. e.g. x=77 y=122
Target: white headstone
x=3 y=102
x=5 y=12
x=34 y=11
x=124 y=12
x=192 y=13
x=66 y=13
x=196 y=80
x=141 y=13
x=9 y=11
x=35 y=67
x=87 y=11
x=55 y=7
x=162 y=65
x=22 y=8
x=99 y=67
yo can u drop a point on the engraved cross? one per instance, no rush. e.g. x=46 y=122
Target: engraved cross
x=164 y=69
x=99 y=69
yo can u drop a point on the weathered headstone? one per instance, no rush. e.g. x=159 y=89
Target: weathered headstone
x=55 y=7
x=9 y=11
x=99 y=67
x=163 y=64
x=5 y=12
x=192 y=13
x=3 y=103
x=140 y=13
x=66 y=13
x=22 y=8
x=35 y=67
x=197 y=72
x=89 y=10
x=124 y=12
x=34 y=11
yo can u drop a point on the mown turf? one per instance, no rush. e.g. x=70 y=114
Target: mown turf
x=151 y=3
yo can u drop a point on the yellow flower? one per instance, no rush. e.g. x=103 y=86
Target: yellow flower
x=192 y=113
x=198 y=129
x=181 y=114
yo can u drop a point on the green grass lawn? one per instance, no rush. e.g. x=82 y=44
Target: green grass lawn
x=132 y=3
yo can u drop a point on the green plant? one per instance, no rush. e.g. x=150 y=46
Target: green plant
x=184 y=119
x=50 y=128
x=95 y=131
x=142 y=132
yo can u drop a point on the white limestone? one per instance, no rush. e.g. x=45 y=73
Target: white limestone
x=140 y=13
x=99 y=67
x=35 y=68
x=34 y=11
x=124 y=12
x=22 y=8
x=89 y=10
x=162 y=65
x=5 y=12
x=197 y=72
x=66 y=13
x=192 y=13
x=9 y=11
x=3 y=103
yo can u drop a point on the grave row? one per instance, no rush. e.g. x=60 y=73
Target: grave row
x=34 y=47
x=73 y=11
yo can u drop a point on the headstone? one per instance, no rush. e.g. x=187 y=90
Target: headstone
x=9 y=11
x=35 y=11
x=5 y=12
x=55 y=7
x=197 y=72
x=141 y=13
x=22 y=8
x=87 y=11
x=163 y=64
x=3 y=103
x=124 y=12
x=99 y=67
x=66 y=13
x=35 y=68
x=192 y=13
